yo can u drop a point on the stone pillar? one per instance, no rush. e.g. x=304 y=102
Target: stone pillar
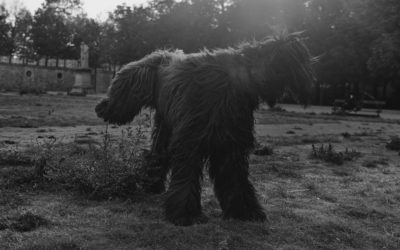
x=84 y=56
x=83 y=78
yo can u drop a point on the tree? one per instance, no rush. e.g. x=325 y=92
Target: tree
x=88 y=31
x=21 y=33
x=51 y=31
x=6 y=41
x=384 y=63
x=338 y=33
x=127 y=31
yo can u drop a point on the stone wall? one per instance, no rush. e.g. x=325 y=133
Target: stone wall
x=14 y=77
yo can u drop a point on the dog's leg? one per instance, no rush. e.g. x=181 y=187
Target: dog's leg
x=236 y=195
x=182 y=204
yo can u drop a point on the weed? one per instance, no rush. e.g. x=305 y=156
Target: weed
x=394 y=144
x=346 y=135
x=328 y=154
x=263 y=150
x=111 y=168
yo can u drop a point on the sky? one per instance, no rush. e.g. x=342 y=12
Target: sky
x=97 y=9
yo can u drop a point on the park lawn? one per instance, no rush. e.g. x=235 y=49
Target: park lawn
x=310 y=203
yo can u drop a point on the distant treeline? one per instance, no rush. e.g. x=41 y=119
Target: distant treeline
x=358 y=41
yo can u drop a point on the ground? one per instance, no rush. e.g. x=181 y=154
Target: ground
x=311 y=203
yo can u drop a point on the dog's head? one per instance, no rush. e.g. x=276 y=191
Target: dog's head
x=282 y=64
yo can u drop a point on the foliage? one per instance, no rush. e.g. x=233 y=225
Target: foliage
x=50 y=32
x=5 y=29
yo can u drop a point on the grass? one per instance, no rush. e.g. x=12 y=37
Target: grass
x=30 y=111
x=310 y=204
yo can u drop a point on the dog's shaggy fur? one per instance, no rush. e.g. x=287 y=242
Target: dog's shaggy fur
x=204 y=106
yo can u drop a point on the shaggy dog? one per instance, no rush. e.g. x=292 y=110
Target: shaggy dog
x=204 y=105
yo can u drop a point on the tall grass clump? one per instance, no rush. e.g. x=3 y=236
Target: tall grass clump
x=329 y=154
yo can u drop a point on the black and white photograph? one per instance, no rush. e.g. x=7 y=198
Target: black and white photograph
x=199 y=124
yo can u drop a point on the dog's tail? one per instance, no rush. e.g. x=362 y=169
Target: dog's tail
x=135 y=86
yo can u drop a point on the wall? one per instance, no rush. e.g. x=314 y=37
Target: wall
x=16 y=76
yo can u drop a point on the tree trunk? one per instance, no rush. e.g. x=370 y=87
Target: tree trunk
x=384 y=94
x=95 y=79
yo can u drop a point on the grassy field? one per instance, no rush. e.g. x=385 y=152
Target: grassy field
x=343 y=193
